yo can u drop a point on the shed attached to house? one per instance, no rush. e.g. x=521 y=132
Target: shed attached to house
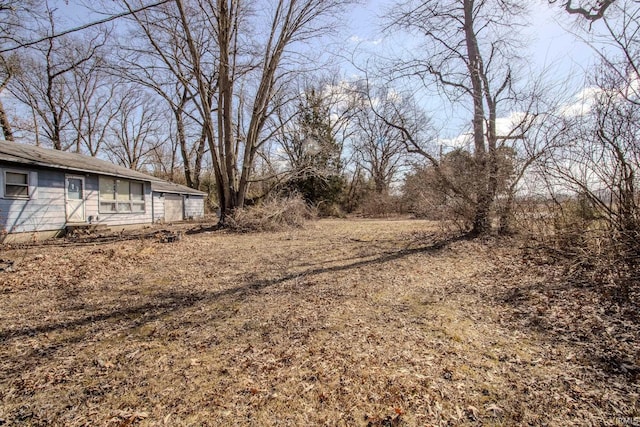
x=174 y=202
x=44 y=191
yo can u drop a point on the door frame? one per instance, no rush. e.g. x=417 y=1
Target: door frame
x=66 y=197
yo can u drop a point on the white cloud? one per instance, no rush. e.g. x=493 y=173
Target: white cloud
x=394 y=96
x=582 y=102
x=461 y=141
x=364 y=41
x=504 y=126
x=340 y=94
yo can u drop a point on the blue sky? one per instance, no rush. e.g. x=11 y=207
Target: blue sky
x=551 y=43
x=551 y=46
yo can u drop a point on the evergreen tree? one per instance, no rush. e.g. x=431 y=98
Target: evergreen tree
x=315 y=155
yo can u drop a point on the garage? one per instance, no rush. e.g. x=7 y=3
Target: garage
x=173 y=207
x=174 y=202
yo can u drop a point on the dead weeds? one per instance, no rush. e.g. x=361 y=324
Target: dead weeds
x=371 y=323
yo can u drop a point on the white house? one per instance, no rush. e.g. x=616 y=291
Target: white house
x=44 y=191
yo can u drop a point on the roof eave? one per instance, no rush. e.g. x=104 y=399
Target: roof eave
x=75 y=169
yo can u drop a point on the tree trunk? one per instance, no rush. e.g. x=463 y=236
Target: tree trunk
x=506 y=215
x=7 y=132
x=182 y=140
x=481 y=222
x=226 y=142
x=203 y=93
x=197 y=167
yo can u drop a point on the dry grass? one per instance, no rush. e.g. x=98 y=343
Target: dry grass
x=347 y=323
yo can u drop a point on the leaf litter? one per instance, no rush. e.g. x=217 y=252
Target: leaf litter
x=345 y=322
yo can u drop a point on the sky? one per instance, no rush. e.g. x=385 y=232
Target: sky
x=551 y=43
x=550 y=47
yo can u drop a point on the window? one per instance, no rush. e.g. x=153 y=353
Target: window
x=137 y=197
x=108 y=195
x=121 y=196
x=16 y=185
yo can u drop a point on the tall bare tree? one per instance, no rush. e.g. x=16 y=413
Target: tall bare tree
x=471 y=55
x=154 y=54
x=93 y=106
x=7 y=70
x=43 y=81
x=234 y=138
x=599 y=158
x=380 y=147
x=137 y=130
x=13 y=16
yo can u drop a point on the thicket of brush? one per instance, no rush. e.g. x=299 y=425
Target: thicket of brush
x=595 y=249
x=272 y=214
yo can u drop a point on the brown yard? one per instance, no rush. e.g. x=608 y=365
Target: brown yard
x=346 y=322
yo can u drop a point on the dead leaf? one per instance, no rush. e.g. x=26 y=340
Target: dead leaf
x=497 y=411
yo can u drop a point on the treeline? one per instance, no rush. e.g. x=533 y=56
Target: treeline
x=242 y=100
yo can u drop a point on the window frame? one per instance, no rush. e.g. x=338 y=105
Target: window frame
x=137 y=202
x=28 y=185
x=118 y=204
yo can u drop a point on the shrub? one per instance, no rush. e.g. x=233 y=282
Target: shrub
x=274 y=214
x=593 y=251
x=381 y=205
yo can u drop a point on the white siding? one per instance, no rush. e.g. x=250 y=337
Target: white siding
x=115 y=219
x=158 y=207
x=43 y=212
x=194 y=207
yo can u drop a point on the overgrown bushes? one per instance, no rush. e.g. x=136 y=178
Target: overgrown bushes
x=273 y=214
x=383 y=205
x=592 y=249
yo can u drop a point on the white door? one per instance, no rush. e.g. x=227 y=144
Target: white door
x=173 y=207
x=74 y=196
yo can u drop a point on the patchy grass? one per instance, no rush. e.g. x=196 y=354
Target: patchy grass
x=372 y=323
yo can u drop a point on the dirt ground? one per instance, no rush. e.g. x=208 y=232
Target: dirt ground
x=345 y=322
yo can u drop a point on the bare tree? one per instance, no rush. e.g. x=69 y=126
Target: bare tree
x=7 y=70
x=235 y=140
x=159 y=60
x=13 y=15
x=600 y=157
x=93 y=105
x=313 y=117
x=46 y=88
x=136 y=131
x=591 y=10
x=471 y=58
x=525 y=140
x=311 y=132
x=380 y=147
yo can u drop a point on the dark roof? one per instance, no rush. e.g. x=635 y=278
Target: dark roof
x=30 y=155
x=170 y=187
